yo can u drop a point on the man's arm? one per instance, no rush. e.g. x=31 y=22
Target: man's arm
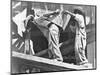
x=68 y=12
x=50 y=16
x=67 y=21
x=52 y=13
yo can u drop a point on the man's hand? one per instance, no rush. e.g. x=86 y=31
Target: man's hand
x=57 y=11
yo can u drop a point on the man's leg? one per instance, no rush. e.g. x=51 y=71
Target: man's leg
x=31 y=48
x=83 y=41
x=54 y=42
x=80 y=45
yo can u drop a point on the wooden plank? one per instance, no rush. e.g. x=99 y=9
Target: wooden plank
x=42 y=52
x=46 y=64
x=27 y=42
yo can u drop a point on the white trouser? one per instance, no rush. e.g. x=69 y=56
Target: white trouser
x=54 y=42
x=80 y=45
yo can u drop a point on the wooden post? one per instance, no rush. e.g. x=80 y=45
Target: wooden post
x=27 y=43
x=27 y=37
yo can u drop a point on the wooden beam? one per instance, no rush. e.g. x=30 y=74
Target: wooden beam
x=45 y=64
x=42 y=52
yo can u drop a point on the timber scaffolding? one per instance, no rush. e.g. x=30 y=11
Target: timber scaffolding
x=47 y=65
x=20 y=59
x=44 y=64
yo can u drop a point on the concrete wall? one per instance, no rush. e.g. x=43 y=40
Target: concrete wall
x=91 y=53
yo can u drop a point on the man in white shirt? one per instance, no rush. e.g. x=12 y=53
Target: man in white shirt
x=29 y=25
x=54 y=27
x=80 y=39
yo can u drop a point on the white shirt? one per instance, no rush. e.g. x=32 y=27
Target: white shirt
x=80 y=30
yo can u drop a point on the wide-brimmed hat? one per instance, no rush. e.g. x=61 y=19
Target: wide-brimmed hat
x=78 y=8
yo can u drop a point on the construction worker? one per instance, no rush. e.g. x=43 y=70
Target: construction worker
x=28 y=22
x=54 y=33
x=79 y=23
x=54 y=42
x=52 y=21
x=80 y=40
